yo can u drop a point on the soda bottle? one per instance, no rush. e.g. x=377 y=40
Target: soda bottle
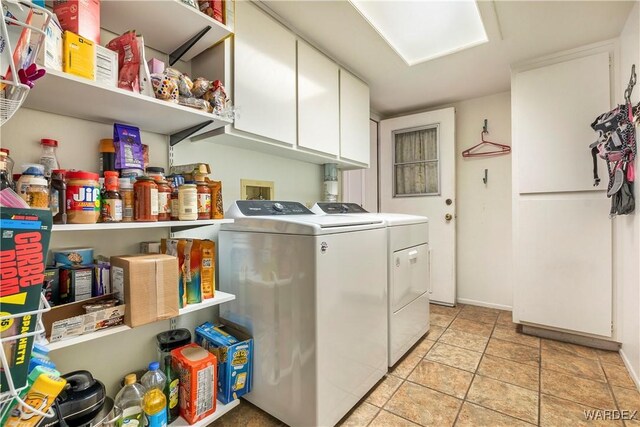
x=154 y=403
x=171 y=391
x=129 y=400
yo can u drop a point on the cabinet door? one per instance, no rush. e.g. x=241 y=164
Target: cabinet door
x=354 y=119
x=264 y=75
x=318 y=104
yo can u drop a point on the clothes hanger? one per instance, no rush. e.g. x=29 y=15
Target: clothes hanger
x=497 y=149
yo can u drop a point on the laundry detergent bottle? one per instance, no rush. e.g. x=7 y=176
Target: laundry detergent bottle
x=154 y=402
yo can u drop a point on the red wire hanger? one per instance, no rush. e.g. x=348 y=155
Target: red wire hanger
x=496 y=149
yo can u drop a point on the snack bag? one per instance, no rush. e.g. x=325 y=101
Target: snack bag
x=175 y=247
x=191 y=272
x=200 y=87
x=146 y=88
x=218 y=98
x=164 y=87
x=207 y=252
x=128 y=61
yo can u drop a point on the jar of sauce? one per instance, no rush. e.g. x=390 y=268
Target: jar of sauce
x=83 y=197
x=164 y=201
x=145 y=199
x=175 y=181
x=111 y=200
x=204 y=200
x=156 y=173
x=188 y=202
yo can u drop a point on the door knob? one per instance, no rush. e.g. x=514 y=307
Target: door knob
x=448 y=217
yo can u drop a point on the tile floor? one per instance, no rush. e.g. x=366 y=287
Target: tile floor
x=474 y=369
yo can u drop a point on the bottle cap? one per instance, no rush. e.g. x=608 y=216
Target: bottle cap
x=82 y=175
x=154 y=366
x=130 y=379
x=49 y=142
x=5 y=150
x=106 y=146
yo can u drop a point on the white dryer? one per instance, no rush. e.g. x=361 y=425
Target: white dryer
x=408 y=273
x=312 y=292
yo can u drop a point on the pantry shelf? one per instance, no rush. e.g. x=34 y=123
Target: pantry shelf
x=165 y=25
x=221 y=409
x=219 y=298
x=69 y=95
x=87 y=337
x=138 y=225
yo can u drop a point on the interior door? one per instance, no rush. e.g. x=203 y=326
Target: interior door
x=417 y=176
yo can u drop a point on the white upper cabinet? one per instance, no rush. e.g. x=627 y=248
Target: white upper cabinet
x=354 y=119
x=318 y=101
x=264 y=75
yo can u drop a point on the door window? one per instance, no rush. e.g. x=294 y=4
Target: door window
x=416 y=162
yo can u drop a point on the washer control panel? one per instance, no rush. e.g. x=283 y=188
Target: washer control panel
x=341 y=208
x=271 y=207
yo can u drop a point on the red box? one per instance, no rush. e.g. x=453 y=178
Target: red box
x=198 y=381
x=79 y=16
x=213 y=8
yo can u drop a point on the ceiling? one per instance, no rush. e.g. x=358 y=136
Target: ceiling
x=517 y=30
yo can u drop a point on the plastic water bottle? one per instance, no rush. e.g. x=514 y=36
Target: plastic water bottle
x=154 y=402
x=129 y=400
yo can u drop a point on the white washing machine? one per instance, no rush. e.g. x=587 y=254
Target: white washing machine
x=312 y=291
x=408 y=273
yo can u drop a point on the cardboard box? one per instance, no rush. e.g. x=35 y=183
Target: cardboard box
x=78 y=55
x=150 y=247
x=24 y=243
x=155 y=66
x=102 y=280
x=197 y=370
x=70 y=320
x=235 y=361
x=76 y=284
x=79 y=16
x=73 y=257
x=50 y=53
x=106 y=66
x=149 y=285
x=51 y=286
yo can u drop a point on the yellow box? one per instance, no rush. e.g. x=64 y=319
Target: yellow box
x=78 y=56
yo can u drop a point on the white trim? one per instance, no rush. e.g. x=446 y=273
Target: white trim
x=484 y=304
x=629 y=367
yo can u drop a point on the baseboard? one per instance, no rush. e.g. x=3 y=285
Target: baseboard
x=634 y=374
x=484 y=304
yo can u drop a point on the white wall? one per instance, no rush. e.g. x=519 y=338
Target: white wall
x=627 y=228
x=483 y=212
x=293 y=180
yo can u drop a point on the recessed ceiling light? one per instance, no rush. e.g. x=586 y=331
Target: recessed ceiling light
x=421 y=30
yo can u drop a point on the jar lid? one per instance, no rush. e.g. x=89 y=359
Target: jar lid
x=106 y=146
x=110 y=173
x=4 y=151
x=169 y=340
x=82 y=175
x=32 y=169
x=154 y=169
x=125 y=183
x=49 y=142
x=145 y=178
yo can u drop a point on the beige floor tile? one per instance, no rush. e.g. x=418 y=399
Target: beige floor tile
x=573 y=365
x=442 y=378
x=387 y=419
x=505 y=318
x=361 y=416
x=247 y=415
x=628 y=400
x=556 y=412
x=512 y=351
x=403 y=368
x=384 y=390
x=587 y=392
x=454 y=356
x=618 y=375
x=478 y=316
x=510 y=333
x=611 y=357
x=509 y=399
x=435 y=332
x=423 y=347
x=462 y=339
x=572 y=349
x=480 y=309
x=519 y=374
x=472 y=327
x=442 y=320
x=476 y=416
x=424 y=406
x=443 y=309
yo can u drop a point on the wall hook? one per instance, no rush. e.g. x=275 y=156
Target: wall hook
x=486 y=176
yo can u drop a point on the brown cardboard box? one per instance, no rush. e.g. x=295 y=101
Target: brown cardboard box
x=75 y=315
x=149 y=286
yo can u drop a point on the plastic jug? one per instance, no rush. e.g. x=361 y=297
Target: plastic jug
x=129 y=400
x=154 y=403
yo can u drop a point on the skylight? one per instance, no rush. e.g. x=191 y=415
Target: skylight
x=421 y=30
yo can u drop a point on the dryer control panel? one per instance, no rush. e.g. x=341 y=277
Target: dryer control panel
x=341 y=208
x=271 y=207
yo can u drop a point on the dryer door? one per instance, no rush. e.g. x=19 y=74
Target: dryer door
x=410 y=275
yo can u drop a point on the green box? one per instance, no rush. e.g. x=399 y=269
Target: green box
x=24 y=242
